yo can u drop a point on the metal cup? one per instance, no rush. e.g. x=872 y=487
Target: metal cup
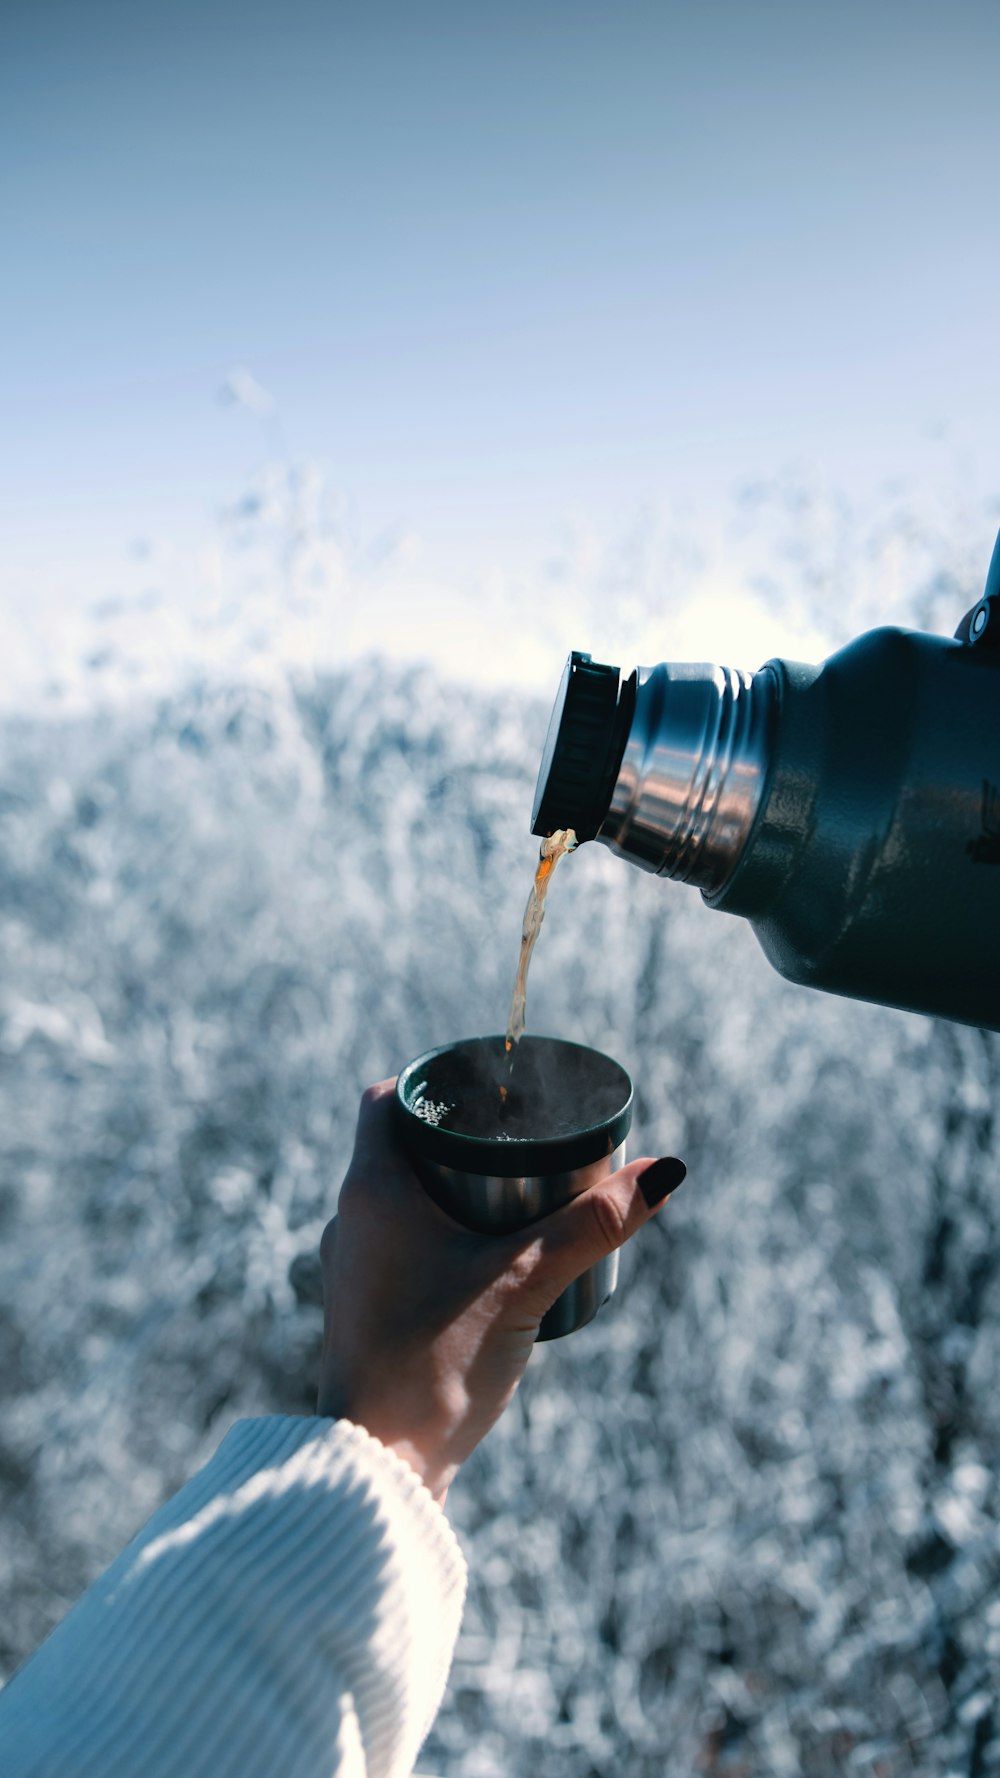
x=497 y=1164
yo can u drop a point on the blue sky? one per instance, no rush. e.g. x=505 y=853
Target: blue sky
x=498 y=266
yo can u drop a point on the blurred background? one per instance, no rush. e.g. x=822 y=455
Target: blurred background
x=358 y=363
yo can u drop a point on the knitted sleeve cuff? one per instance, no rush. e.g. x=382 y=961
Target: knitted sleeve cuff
x=294 y=1608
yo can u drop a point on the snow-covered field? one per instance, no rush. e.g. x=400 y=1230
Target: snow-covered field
x=746 y=1523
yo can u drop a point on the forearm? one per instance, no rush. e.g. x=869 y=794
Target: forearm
x=293 y=1609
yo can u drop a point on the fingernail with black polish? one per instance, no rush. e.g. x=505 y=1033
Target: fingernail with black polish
x=659 y=1180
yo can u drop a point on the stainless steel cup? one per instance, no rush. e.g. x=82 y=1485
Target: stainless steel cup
x=498 y=1164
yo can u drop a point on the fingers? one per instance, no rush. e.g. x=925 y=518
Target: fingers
x=658 y=1181
x=328 y=1243
x=564 y=1244
x=378 y=1170
x=380 y=1165
x=375 y=1137
x=603 y=1218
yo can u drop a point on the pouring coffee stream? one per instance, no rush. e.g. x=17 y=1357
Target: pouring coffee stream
x=553 y=847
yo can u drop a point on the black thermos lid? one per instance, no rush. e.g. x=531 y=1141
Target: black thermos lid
x=583 y=749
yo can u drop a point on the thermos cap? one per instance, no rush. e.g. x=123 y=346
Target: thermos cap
x=583 y=748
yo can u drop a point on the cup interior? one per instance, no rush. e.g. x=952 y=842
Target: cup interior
x=550 y=1095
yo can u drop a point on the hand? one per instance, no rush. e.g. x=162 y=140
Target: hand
x=428 y=1326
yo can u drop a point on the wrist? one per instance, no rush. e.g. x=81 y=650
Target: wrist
x=436 y=1477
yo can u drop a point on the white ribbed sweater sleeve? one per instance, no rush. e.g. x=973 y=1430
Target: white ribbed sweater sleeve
x=291 y=1613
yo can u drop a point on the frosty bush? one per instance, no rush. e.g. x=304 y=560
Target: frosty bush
x=745 y=1524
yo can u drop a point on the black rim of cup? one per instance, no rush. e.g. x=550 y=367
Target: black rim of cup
x=517 y=1157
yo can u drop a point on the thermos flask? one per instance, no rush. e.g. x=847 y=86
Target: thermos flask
x=850 y=811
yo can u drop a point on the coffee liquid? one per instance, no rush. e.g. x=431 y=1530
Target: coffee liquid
x=554 y=1090
x=498 y=1090
x=552 y=849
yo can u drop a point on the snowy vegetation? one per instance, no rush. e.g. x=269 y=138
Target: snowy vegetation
x=746 y=1524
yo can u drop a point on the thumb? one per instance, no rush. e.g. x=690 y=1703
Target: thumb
x=602 y=1218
